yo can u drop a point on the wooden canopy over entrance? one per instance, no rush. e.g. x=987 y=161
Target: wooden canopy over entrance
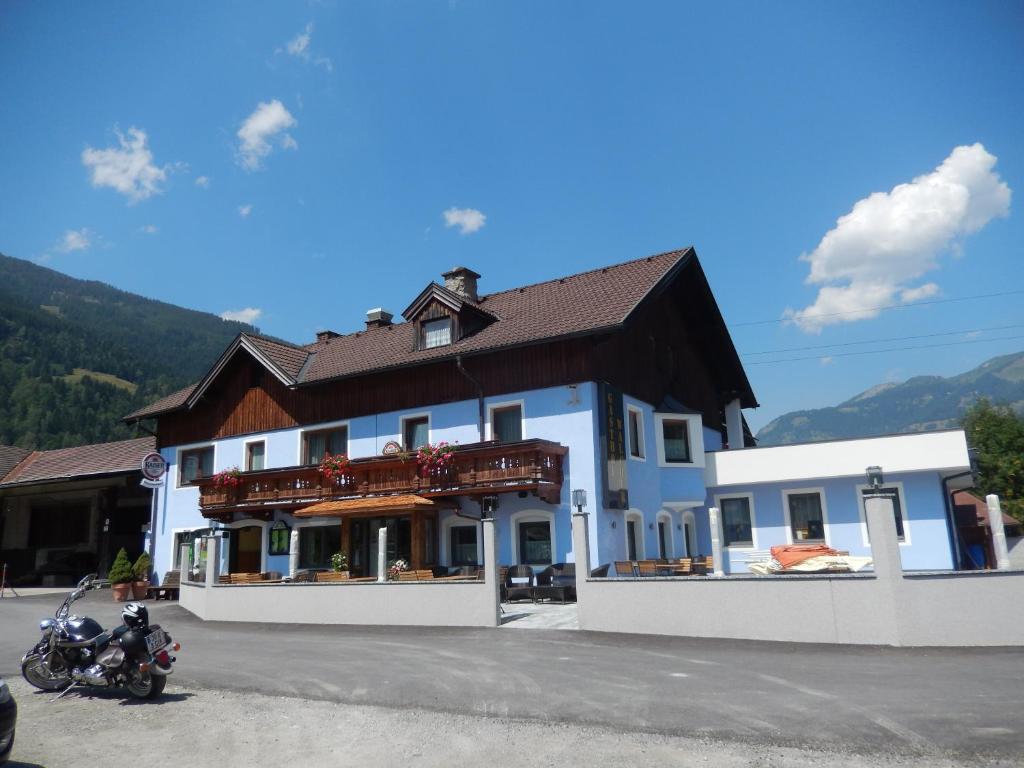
x=374 y=505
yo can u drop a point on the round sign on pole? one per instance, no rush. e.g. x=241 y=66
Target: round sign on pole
x=154 y=466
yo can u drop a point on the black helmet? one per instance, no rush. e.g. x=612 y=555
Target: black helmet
x=135 y=615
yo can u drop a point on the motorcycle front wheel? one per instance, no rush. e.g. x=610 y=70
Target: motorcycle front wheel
x=39 y=675
x=147 y=686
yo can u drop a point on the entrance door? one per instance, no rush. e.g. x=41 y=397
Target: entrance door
x=246 y=550
x=631 y=538
x=363 y=557
x=691 y=549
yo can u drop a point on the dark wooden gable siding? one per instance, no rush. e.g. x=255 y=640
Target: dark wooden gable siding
x=671 y=346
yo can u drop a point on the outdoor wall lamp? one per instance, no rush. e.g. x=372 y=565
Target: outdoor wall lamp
x=579 y=498
x=875 y=478
x=490 y=503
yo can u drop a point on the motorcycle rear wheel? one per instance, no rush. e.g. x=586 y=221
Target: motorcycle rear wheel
x=37 y=675
x=147 y=686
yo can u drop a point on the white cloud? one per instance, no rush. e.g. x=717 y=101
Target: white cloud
x=827 y=360
x=245 y=210
x=74 y=240
x=129 y=168
x=202 y=181
x=270 y=120
x=149 y=229
x=298 y=46
x=468 y=220
x=248 y=315
x=876 y=253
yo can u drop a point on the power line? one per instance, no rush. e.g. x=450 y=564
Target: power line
x=884 y=307
x=881 y=351
x=882 y=341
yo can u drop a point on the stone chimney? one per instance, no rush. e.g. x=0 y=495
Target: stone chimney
x=377 y=318
x=462 y=281
x=326 y=335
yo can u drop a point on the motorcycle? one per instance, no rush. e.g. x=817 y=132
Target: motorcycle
x=76 y=650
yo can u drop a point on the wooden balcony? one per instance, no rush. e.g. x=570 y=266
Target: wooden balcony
x=478 y=469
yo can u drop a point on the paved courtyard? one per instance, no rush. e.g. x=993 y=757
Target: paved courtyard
x=548 y=695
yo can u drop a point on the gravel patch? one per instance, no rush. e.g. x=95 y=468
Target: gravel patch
x=216 y=729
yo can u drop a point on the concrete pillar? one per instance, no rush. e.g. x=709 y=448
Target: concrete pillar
x=734 y=424
x=885 y=544
x=212 y=559
x=185 y=562
x=293 y=552
x=716 y=542
x=995 y=522
x=382 y=555
x=490 y=539
x=581 y=546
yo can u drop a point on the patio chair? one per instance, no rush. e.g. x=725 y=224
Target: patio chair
x=625 y=568
x=646 y=568
x=601 y=572
x=518 y=583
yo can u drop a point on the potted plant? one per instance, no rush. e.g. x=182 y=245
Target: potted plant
x=434 y=458
x=227 y=478
x=140 y=572
x=339 y=563
x=397 y=567
x=335 y=468
x=120 y=576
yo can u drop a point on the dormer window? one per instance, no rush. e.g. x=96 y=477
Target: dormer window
x=436 y=333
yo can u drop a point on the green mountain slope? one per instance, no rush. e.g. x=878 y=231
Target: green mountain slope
x=76 y=355
x=919 y=404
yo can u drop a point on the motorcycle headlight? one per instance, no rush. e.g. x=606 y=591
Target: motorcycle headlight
x=5 y=692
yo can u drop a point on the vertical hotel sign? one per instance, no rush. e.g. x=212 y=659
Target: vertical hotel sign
x=612 y=428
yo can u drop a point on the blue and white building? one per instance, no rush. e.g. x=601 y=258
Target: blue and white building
x=622 y=381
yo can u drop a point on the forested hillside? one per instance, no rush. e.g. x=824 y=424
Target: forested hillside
x=76 y=356
x=919 y=404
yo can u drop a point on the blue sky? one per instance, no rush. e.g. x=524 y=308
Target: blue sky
x=299 y=159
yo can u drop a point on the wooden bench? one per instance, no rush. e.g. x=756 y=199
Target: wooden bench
x=420 y=575
x=324 y=577
x=168 y=589
x=240 y=578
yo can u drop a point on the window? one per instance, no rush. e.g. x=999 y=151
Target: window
x=463 y=549
x=897 y=508
x=507 y=423
x=317 y=544
x=180 y=538
x=436 y=333
x=318 y=443
x=663 y=534
x=676 y=439
x=633 y=534
x=636 y=432
x=280 y=538
x=415 y=432
x=254 y=456
x=535 y=543
x=195 y=464
x=806 y=518
x=737 y=524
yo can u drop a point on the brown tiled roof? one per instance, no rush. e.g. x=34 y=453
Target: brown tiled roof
x=82 y=461
x=10 y=456
x=584 y=303
x=171 y=402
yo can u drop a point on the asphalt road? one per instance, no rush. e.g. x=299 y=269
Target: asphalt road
x=952 y=703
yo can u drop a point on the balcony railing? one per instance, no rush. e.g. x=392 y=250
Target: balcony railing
x=478 y=468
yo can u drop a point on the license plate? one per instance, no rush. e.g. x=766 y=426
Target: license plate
x=156 y=640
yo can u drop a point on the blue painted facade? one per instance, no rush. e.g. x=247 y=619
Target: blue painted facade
x=674 y=496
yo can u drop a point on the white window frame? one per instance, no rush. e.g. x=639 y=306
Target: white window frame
x=492 y=407
x=865 y=539
x=641 y=545
x=300 y=451
x=786 y=493
x=664 y=516
x=641 y=439
x=753 y=521
x=245 y=452
x=409 y=417
x=454 y=521
x=695 y=432
x=180 y=449
x=532 y=516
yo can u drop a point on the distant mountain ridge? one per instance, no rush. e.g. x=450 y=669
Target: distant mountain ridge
x=77 y=355
x=919 y=404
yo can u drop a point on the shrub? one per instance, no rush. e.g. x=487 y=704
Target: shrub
x=121 y=571
x=142 y=567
